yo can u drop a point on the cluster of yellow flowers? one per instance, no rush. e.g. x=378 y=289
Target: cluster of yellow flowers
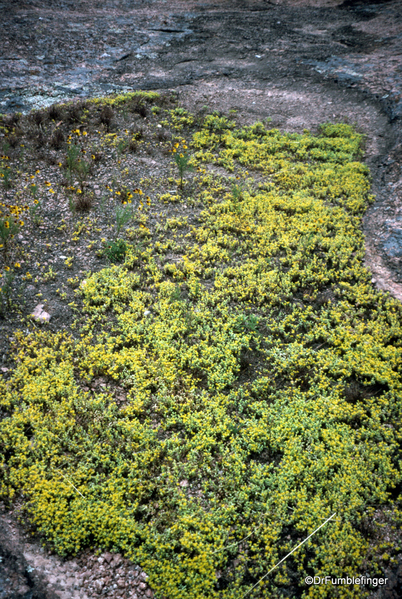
x=179 y=146
x=14 y=210
x=178 y=119
x=10 y=222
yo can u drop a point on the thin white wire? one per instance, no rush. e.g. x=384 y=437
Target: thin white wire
x=69 y=482
x=286 y=556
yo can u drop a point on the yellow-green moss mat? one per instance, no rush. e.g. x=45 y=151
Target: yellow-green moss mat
x=260 y=385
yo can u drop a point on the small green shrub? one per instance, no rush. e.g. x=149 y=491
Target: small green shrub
x=6 y=176
x=116 y=250
x=182 y=159
x=72 y=158
x=9 y=227
x=6 y=288
x=123 y=215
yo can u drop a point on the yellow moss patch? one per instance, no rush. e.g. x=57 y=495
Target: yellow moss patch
x=251 y=385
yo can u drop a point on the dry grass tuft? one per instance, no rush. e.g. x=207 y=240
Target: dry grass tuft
x=84 y=202
x=106 y=116
x=57 y=139
x=55 y=112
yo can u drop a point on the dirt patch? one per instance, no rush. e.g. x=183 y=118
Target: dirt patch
x=27 y=571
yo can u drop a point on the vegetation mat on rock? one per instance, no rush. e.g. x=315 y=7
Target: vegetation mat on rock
x=216 y=404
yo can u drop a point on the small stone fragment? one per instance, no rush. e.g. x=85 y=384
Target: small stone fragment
x=23 y=589
x=108 y=557
x=117 y=560
x=39 y=314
